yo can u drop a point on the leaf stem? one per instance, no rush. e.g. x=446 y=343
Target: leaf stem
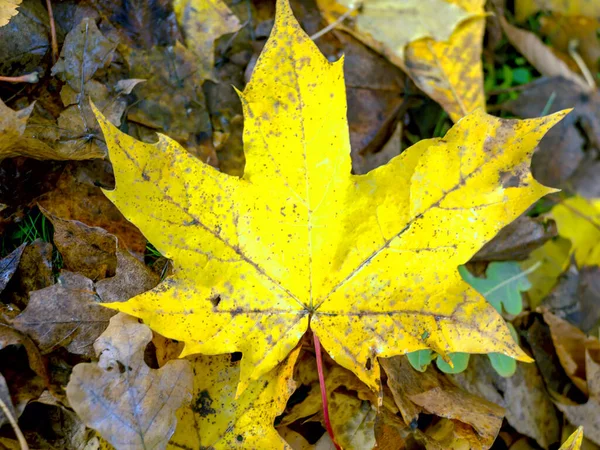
x=13 y=423
x=323 y=389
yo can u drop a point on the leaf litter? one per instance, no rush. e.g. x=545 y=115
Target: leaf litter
x=370 y=172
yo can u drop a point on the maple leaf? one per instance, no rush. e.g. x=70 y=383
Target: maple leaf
x=368 y=261
x=8 y=9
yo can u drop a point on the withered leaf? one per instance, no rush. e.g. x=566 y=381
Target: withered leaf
x=9 y=264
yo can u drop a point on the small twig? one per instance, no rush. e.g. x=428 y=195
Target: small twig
x=14 y=424
x=52 y=31
x=587 y=75
x=323 y=389
x=32 y=77
x=332 y=25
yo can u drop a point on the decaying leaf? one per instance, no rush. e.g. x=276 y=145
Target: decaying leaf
x=67 y=314
x=11 y=336
x=586 y=415
x=429 y=392
x=6 y=403
x=574 y=441
x=353 y=421
x=203 y=22
x=216 y=419
x=445 y=63
x=8 y=9
x=91 y=251
x=9 y=264
x=128 y=403
x=370 y=260
x=539 y=55
x=525 y=8
x=578 y=219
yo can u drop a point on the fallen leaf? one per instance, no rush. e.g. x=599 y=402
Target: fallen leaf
x=429 y=392
x=353 y=421
x=551 y=260
x=502 y=285
x=129 y=404
x=525 y=8
x=7 y=406
x=518 y=239
x=84 y=51
x=578 y=219
x=442 y=54
x=203 y=22
x=217 y=419
x=586 y=415
x=8 y=9
x=11 y=336
x=539 y=55
x=574 y=441
x=390 y=431
x=571 y=345
x=9 y=264
x=528 y=408
x=91 y=251
x=67 y=314
x=242 y=265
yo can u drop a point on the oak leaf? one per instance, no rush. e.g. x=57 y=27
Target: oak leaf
x=368 y=262
x=127 y=402
x=217 y=420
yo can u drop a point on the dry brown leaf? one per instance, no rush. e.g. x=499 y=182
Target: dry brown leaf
x=571 y=345
x=11 y=336
x=67 y=314
x=539 y=55
x=90 y=251
x=429 y=392
x=129 y=404
x=587 y=415
x=9 y=264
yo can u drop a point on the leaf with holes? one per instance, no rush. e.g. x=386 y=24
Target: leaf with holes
x=367 y=262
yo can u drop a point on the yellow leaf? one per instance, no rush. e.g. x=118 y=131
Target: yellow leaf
x=525 y=8
x=546 y=263
x=442 y=54
x=578 y=219
x=8 y=9
x=451 y=72
x=217 y=420
x=574 y=441
x=370 y=261
x=203 y=22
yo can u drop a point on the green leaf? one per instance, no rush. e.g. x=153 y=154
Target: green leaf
x=460 y=361
x=504 y=365
x=420 y=359
x=503 y=285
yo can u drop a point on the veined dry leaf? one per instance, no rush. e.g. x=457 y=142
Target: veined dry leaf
x=525 y=8
x=445 y=63
x=352 y=421
x=586 y=415
x=551 y=260
x=203 y=22
x=369 y=260
x=578 y=219
x=67 y=314
x=539 y=55
x=9 y=264
x=574 y=442
x=571 y=344
x=11 y=336
x=216 y=419
x=8 y=9
x=128 y=403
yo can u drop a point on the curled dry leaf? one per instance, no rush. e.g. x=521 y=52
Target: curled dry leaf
x=12 y=336
x=90 y=251
x=128 y=403
x=368 y=260
x=571 y=345
x=9 y=264
x=216 y=419
x=539 y=55
x=66 y=314
x=431 y=393
x=203 y=22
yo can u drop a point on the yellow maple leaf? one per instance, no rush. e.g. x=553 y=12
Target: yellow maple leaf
x=369 y=262
x=578 y=219
x=441 y=52
x=217 y=420
x=525 y=8
x=574 y=441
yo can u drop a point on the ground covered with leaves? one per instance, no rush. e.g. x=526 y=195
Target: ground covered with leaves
x=266 y=224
